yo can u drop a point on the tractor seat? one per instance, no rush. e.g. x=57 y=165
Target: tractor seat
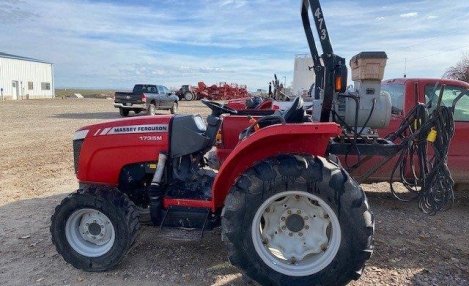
x=295 y=114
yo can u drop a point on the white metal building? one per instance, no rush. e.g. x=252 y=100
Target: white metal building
x=25 y=78
x=303 y=77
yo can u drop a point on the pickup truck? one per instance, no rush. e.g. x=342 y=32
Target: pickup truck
x=146 y=97
x=405 y=94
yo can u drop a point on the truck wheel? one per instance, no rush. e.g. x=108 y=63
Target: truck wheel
x=188 y=96
x=94 y=229
x=174 y=109
x=152 y=109
x=137 y=111
x=123 y=112
x=295 y=220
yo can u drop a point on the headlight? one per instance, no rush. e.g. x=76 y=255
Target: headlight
x=80 y=134
x=78 y=139
x=76 y=153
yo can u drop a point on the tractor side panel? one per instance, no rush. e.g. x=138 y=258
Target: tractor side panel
x=304 y=138
x=111 y=146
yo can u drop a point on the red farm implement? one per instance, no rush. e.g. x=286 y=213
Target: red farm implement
x=222 y=91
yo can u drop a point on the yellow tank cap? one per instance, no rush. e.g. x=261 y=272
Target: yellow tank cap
x=432 y=135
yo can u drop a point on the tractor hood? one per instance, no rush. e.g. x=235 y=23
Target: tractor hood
x=139 y=125
x=102 y=150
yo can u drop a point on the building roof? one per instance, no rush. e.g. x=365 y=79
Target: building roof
x=9 y=56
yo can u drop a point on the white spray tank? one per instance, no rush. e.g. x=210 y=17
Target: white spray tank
x=375 y=106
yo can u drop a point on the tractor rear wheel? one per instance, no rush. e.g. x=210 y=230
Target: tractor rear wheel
x=294 y=220
x=94 y=229
x=188 y=96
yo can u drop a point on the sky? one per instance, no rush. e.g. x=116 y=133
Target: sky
x=114 y=44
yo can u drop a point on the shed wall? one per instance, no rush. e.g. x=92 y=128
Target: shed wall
x=22 y=73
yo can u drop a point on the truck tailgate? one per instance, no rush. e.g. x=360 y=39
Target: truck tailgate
x=128 y=97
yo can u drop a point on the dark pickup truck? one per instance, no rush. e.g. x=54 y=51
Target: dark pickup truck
x=146 y=97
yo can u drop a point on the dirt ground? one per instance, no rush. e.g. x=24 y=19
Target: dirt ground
x=36 y=172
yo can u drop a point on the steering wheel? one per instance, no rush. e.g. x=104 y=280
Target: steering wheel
x=218 y=108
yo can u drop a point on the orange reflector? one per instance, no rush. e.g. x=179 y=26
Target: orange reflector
x=253 y=121
x=338 y=83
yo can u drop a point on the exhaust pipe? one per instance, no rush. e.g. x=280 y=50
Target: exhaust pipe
x=156 y=193
x=159 y=169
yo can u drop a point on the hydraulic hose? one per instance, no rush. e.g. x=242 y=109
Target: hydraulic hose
x=430 y=180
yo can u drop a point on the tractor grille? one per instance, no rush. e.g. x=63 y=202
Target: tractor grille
x=76 y=153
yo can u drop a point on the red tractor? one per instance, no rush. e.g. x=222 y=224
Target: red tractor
x=290 y=213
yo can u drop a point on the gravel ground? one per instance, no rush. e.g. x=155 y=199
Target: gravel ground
x=36 y=172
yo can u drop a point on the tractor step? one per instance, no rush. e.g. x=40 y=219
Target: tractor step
x=189 y=219
x=180 y=234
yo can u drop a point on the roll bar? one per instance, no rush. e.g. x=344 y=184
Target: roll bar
x=330 y=65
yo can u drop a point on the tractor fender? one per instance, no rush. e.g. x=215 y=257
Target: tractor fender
x=303 y=138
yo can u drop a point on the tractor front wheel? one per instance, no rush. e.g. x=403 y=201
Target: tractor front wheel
x=94 y=229
x=294 y=220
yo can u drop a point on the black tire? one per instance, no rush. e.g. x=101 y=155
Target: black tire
x=174 y=108
x=123 y=112
x=188 y=96
x=152 y=109
x=137 y=111
x=314 y=175
x=116 y=206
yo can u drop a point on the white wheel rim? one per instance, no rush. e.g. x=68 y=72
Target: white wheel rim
x=188 y=96
x=296 y=233
x=90 y=232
